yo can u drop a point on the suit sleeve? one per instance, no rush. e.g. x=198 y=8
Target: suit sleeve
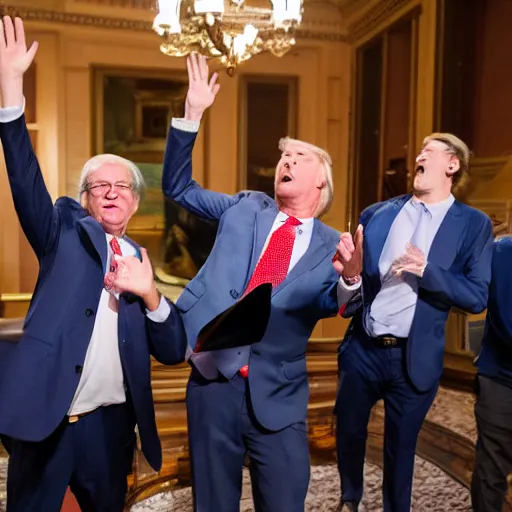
x=468 y=291
x=350 y=299
x=33 y=203
x=166 y=333
x=500 y=291
x=177 y=182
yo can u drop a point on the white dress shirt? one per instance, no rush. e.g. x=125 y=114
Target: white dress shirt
x=204 y=361
x=102 y=382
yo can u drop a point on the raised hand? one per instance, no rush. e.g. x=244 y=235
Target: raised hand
x=201 y=91
x=15 y=59
x=348 y=260
x=135 y=276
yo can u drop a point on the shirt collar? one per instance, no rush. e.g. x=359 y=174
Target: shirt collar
x=281 y=217
x=434 y=208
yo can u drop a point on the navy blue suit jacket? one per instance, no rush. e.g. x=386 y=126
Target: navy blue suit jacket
x=457 y=275
x=278 y=377
x=39 y=375
x=495 y=357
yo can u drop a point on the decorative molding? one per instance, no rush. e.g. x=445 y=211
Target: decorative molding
x=332 y=34
x=487 y=168
x=127 y=4
x=70 y=18
x=375 y=17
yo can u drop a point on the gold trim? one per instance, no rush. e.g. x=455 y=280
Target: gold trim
x=72 y=18
x=326 y=340
x=384 y=111
x=15 y=297
x=413 y=89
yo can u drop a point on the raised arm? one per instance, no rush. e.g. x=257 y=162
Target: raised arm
x=32 y=201
x=177 y=182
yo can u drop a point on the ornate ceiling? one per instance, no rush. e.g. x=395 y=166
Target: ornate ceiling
x=333 y=20
x=346 y=6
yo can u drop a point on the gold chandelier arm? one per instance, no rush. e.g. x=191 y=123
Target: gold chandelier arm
x=216 y=36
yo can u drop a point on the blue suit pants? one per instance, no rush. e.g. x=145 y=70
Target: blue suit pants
x=369 y=373
x=222 y=431
x=93 y=456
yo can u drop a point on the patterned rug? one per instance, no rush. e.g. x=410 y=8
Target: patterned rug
x=433 y=490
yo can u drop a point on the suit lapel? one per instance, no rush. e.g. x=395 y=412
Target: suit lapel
x=444 y=246
x=377 y=232
x=97 y=237
x=315 y=253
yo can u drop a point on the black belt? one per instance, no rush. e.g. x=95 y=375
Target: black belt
x=389 y=341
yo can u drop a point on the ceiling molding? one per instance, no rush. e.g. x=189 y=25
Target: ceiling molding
x=374 y=17
x=312 y=30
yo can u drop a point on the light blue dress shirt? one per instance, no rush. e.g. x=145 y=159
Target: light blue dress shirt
x=392 y=310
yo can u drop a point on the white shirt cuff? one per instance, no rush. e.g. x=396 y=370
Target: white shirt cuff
x=9 y=114
x=346 y=291
x=161 y=313
x=185 y=125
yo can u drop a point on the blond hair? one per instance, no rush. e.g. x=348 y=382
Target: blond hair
x=327 y=194
x=457 y=148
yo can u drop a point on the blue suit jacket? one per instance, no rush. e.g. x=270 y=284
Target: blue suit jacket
x=278 y=377
x=39 y=375
x=495 y=357
x=457 y=275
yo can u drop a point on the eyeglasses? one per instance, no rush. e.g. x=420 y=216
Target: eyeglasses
x=100 y=188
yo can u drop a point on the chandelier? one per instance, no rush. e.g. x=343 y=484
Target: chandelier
x=227 y=30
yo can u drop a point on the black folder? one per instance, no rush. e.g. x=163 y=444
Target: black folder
x=242 y=324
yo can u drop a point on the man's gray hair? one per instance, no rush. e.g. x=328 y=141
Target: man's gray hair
x=94 y=163
x=327 y=194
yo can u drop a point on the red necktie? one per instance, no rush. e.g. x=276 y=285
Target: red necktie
x=114 y=245
x=274 y=262
x=116 y=249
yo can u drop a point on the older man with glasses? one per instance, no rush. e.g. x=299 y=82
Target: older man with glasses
x=78 y=382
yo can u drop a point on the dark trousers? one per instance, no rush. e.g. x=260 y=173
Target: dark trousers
x=93 y=456
x=493 y=457
x=222 y=429
x=368 y=373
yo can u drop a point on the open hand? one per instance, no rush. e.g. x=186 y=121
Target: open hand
x=201 y=91
x=413 y=262
x=15 y=59
x=348 y=260
x=129 y=274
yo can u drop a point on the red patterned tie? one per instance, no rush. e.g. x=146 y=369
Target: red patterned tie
x=274 y=262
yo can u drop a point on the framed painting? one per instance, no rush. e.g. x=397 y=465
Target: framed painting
x=133 y=110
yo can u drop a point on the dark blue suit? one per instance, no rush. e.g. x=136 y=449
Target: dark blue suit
x=493 y=407
x=407 y=376
x=264 y=415
x=39 y=375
